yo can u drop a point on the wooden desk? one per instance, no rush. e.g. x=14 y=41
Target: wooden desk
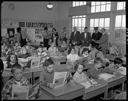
x=70 y=90
x=118 y=79
x=96 y=90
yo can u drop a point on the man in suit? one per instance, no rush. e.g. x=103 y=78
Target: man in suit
x=103 y=42
x=96 y=35
x=75 y=37
x=86 y=37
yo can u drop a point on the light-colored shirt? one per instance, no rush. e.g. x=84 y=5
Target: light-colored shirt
x=73 y=57
x=80 y=77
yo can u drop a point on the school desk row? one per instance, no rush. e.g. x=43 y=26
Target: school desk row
x=73 y=90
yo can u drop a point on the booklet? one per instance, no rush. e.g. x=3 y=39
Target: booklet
x=59 y=79
x=20 y=92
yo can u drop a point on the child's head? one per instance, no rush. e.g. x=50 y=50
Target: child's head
x=24 y=50
x=98 y=62
x=118 y=62
x=72 y=50
x=17 y=72
x=49 y=65
x=79 y=68
x=85 y=52
x=40 y=49
x=12 y=58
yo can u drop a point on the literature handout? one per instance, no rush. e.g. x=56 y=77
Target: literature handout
x=59 y=79
x=20 y=92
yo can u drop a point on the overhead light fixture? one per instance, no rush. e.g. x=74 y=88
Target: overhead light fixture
x=49 y=5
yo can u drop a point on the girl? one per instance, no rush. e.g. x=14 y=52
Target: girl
x=80 y=76
x=52 y=50
x=12 y=61
x=72 y=57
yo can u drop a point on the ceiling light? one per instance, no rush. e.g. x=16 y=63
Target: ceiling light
x=49 y=5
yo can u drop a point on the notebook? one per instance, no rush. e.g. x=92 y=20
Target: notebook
x=105 y=76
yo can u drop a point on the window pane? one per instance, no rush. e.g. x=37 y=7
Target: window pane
x=124 y=5
x=97 y=3
x=97 y=8
x=75 y=22
x=84 y=3
x=107 y=21
x=74 y=4
x=101 y=24
x=79 y=22
x=81 y=3
x=83 y=22
x=96 y=22
x=108 y=2
x=103 y=2
x=124 y=21
x=93 y=9
x=102 y=8
x=119 y=5
x=92 y=23
x=77 y=3
x=108 y=7
x=93 y=3
x=118 y=21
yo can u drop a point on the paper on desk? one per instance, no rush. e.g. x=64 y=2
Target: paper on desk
x=122 y=70
x=59 y=79
x=105 y=76
x=86 y=84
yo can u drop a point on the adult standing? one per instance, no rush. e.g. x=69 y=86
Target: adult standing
x=103 y=42
x=55 y=37
x=96 y=36
x=86 y=37
x=75 y=37
x=21 y=37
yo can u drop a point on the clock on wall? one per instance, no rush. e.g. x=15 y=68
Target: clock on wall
x=11 y=6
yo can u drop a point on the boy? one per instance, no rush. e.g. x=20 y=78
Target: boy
x=98 y=68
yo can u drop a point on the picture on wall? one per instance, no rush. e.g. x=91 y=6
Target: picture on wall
x=11 y=32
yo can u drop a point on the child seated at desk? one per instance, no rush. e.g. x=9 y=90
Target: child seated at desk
x=47 y=75
x=73 y=56
x=12 y=61
x=79 y=75
x=117 y=66
x=98 y=68
x=23 y=53
x=53 y=49
x=17 y=79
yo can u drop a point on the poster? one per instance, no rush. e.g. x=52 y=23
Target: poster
x=39 y=35
x=59 y=79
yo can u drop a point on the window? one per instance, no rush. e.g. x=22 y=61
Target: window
x=120 y=27
x=120 y=5
x=78 y=3
x=100 y=6
x=99 y=22
x=79 y=22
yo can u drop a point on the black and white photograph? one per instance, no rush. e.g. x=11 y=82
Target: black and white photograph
x=63 y=50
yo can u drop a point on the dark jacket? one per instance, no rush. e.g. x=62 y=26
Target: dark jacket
x=96 y=36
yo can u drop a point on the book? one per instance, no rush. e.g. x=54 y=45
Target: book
x=35 y=62
x=86 y=84
x=59 y=79
x=105 y=76
x=20 y=92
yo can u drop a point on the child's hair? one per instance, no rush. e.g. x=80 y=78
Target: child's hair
x=48 y=62
x=16 y=67
x=70 y=49
x=77 y=65
x=98 y=59
x=8 y=58
x=84 y=50
x=118 y=60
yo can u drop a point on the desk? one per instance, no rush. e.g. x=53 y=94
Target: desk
x=96 y=90
x=70 y=90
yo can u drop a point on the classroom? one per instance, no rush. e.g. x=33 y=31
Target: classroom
x=63 y=50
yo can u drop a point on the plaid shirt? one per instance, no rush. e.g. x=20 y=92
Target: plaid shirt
x=6 y=92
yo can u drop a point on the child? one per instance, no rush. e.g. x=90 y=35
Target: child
x=23 y=53
x=47 y=75
x=98 y=68
x=12 y=61
x=79 y=75
x=53 y=50
x=40 y=50
x=113 y=50
x=72 y=57
x=117 y=66
x=17 y=79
